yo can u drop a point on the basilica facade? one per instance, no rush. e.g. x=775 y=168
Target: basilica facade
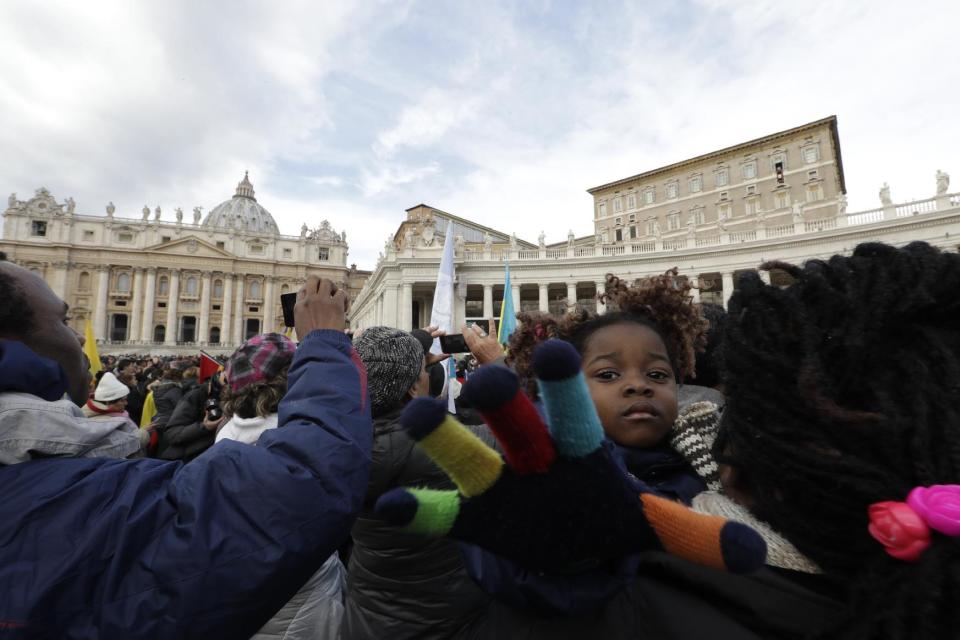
x=149 y=284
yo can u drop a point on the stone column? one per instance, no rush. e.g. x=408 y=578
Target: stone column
x=406 y=306
x=601 y=287
x=203 y=332
x=571 y=295
x=136 y=315
x=488 y=301
x=269 y=304
x=170 y=337
x=727 y=287
x=695 y=292
x=226 y=309
x=100 y=309
x=515 y=291
x=149 y=303
x=544 y=297
x=238 y=312
x=390 y=318
x=59 y=280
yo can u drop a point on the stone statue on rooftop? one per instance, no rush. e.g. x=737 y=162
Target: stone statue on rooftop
x=71 y=206
x=570 y=239
x=196 y=214
x=12 y=200
x=885 y=195
x=179 y=213
x=156 y=213
x=513 y=241
x=943 y=182
x=146 y=212
x=487 y=241
x=542 y=240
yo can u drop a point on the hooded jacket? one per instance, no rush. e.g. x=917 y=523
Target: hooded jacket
x=105 y=548
x=402 y=585
x=184 y=437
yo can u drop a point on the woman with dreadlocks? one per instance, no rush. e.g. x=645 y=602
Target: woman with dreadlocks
x=841 y=436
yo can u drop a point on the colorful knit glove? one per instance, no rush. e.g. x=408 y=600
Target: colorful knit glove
x=561 y=500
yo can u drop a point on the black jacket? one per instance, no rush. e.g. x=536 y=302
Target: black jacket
x=184 y=436
x=166 y=395
x=674 y=599
x=402 y=585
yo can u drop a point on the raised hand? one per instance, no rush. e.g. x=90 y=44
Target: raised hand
x=560 y=500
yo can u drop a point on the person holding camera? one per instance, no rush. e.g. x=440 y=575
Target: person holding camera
x=192 y=426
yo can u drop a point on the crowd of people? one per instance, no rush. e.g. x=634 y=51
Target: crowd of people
x=789 y=468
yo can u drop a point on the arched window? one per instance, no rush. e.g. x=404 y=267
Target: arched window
x=164 y=286
x=284 y=289
x=123 y=282
x=191 y=287
x=214 y=335
x=84 y=283
x=159 y=333
x=255 y=290
x=217 y=290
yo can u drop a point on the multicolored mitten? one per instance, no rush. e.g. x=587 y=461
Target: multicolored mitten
x=560 y=499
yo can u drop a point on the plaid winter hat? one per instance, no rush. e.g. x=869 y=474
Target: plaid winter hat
x=260 y=358
x=393 y=359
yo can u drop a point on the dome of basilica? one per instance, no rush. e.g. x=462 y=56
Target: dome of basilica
x=242 y=212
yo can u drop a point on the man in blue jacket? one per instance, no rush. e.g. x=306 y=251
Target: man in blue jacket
x=98 y=547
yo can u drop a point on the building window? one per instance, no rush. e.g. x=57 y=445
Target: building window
x=751 y=206
x=124 y=236
x=288 y=253
x=633 y=232
x=724 y=195
x=87 y=234
x=811 y=153
x=162 y=305
x=814 y=193
x=696 y=215
x=652 y=227
x=253 y=309
x=673 y=189
x=781 y=199
x=813 y=174
x=723 y=212
x=696 y=184
x=673 y=222
x=214 y=335
x=218 y=289
x=722 y=177
x=165 y=239
x=120 y=303
x=778 y=157
x=83 y=283
x=323 y=254
x=617 y=205
x=188 y=329
x=164 y=286
x=256 y=249
x=632 y=201
x=632 y=217
x=216 y=307
x=618 y=221
x=191 y=289
x=159 y=333
x=601 y=209
x=256 y=290
x=118 y=327
x=253 y=328
x=123 y=282
x=220 y=244
x=751 y=189
x=618 y=235
x=38 y=228
x=750 y=170
x=649 y=195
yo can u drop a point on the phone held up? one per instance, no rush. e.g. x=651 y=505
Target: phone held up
x=287 y=301
x=453 y=343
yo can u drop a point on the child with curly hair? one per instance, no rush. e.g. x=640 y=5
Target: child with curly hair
x=634 y=358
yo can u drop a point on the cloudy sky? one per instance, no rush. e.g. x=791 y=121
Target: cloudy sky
x=501 y=112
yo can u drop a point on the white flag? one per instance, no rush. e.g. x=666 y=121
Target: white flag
x=441 y=316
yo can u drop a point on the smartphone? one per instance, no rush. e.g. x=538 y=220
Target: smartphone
x=287 y=300
x=453 y=343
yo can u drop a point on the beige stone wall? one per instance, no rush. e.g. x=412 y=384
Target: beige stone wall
x=742 y=196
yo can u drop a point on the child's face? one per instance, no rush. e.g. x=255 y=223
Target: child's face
x=632 y=383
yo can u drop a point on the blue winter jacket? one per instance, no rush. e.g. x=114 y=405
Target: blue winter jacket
x=102 y=548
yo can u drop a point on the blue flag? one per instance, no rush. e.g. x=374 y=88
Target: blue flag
x=508 y=316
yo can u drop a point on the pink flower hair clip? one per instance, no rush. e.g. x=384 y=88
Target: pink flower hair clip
x=903 y=528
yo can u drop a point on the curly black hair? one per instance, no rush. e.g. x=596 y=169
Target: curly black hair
x=662 y=303
x=843 y=390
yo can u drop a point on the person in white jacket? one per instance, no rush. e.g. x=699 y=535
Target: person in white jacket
x=256 y=380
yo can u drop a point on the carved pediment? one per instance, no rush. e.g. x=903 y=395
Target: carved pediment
x=43 y=204
x=190 y=246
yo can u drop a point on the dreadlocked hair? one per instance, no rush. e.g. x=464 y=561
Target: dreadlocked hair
x=844 y=390
x=662 y=303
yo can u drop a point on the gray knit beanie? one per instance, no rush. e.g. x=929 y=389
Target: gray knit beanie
x=393 y=359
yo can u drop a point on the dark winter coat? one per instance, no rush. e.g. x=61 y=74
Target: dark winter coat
x=166 y=395
x=402 y=585
x=114 y=548
x=184 y=437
